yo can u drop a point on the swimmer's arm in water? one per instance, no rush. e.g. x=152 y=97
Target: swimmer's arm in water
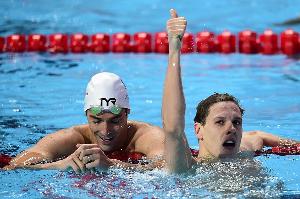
x=256 y=140
x=65 y=144
x=148 y=140
x=177 y=151
x=50 y=148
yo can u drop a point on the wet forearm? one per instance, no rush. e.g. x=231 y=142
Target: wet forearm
x=173 y=108
x=287 y=142
x=28 y=158
x=41 y=165
x=274 y=140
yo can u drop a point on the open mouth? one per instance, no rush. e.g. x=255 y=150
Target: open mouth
x=229 y=144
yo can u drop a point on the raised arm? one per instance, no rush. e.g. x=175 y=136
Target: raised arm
x=177 y=151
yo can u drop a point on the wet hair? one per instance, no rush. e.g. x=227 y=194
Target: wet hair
x=204 y=105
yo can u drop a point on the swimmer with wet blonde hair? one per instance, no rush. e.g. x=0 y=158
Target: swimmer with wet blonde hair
x=218 y=121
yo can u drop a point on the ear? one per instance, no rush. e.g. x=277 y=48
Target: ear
x=127 y=111
x=198 y=132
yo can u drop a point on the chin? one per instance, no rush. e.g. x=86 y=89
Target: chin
x=104 y=148
x=107 y=149
x=227 y=153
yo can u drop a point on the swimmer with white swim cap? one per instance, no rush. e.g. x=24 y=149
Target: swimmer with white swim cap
x=84 y=147
x=218 y=121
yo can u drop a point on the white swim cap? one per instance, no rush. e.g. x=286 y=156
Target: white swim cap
x=106 y=90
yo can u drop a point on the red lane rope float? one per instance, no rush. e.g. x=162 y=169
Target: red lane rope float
x=16 y=43
x=205 y=42
x=142 y=42
x=246 y=42
x=4 y=160
x=131 y=157
x=278 y=150
x=100 y=43
x=268 y=43
x=58 y=43
x=226 y=42
x=37 y=43
x=161 y=44
x=121 y=43
x=188 y=43
x=79 y=43
x=290 y=44
x=288 y=150
x=134 y=157
x=2 y=42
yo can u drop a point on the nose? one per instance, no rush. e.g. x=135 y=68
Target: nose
x=104 y=128
x=231 y=128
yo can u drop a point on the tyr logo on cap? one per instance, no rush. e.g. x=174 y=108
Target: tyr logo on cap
x=112 y=100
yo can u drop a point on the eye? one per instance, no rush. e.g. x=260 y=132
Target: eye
x=237 y=122
x=97 y=121
x=116 y=120
x=220 y=122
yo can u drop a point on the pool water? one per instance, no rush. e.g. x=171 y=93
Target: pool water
x=42 y=93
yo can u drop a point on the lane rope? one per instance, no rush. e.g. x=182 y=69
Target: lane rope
x=134 y=157
x=246 y=42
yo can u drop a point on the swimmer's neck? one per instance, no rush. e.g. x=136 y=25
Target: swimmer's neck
x=211 y=158
x=206 y=156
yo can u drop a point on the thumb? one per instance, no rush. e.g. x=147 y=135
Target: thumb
x=173 y=13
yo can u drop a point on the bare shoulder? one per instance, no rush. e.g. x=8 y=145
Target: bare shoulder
x=247 y=136
x=76 y=133
x=61 y=142
x=147 y=139
x=145 y=129
x=82 y=131
x=251 y=141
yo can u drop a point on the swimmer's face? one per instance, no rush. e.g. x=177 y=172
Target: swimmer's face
x=221 y=135
x=109 y=131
